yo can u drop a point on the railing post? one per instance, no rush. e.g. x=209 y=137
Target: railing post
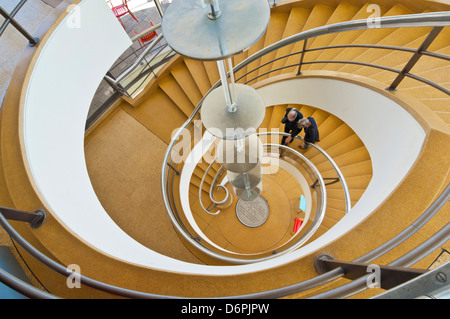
x=302 y=57
x=9 y=19
x=35 y=219
x=158 y=7
x=386 y=277
x=333 y=181
x=170 y=165
x=415 y=58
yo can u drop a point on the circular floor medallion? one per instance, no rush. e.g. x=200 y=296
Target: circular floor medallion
x=253 y=213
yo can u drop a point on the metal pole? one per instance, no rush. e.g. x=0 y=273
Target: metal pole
x=32 y=41
x=23 y=288
x=390 y=276
x=415 y=58
x=35 y=219
x=302 y=57
x=12 y=14
x=158 y=7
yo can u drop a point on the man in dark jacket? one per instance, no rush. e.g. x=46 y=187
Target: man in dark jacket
x=290 y=121
x=311 y=131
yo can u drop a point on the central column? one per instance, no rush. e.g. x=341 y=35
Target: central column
x=213 y=30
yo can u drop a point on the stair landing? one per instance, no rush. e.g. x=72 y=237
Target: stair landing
x=124 y=162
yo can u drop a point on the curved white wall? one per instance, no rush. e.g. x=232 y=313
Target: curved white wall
x=66 y=75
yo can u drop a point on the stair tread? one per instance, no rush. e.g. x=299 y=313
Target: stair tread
x=150 y=109
x=399 y=37
x=199 y=74
x=318 y=17
x=212 y=71
x=343 y=147
x=370 y=36
x=296 y=21
x=170 y=86
x=183 y=77
x=344 y=38
x=274 y=33
x=347 y=158
x=344 y=12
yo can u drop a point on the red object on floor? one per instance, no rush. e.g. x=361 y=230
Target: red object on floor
x=147 y=37
x=121 y=10
x=298 y=222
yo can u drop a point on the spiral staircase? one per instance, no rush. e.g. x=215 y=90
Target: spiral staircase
x=128 y=147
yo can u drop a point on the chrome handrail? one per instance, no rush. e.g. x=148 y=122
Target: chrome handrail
x=299 y=242
x=432 y=19
x=136 y=63
x=430 y=245
x=227 y=196
x=275 y=293
x=200 y=190
x=145 y=32
x=416 y=20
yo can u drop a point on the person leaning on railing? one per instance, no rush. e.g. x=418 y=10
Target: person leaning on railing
x=311 y=131
x=290 y=121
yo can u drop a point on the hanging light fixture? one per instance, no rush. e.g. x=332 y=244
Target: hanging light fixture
x=207 y=30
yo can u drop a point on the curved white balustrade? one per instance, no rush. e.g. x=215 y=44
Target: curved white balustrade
x=68 y=70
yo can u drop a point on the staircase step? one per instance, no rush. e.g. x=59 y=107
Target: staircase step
x=339 y=134
x=319 y=16
x=357 y=169
x=355 y=182
x=334 y=214
x=277 y=115
x=320 y=116
x=306 y=110
x=199 y=74
x=173 y=90
x=295 y=24
x=337 y=204
x=343 y=147
x=182 y=75
x=399 y=37
x=274 y=33
x=150 y=115
x=370 y=36
x=344 y=38
x=200 y=173
x=393 y=59
x=212 y=71
x=253 y=49
x=350 y=157
x=338 y=193
x=345 y=11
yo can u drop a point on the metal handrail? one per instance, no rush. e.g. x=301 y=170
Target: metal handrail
x=136 y=63
x=417 y=20
x=200 y=190
x=299 y=242
x=218 y=175
x=145 y=32
x=274 y=293
x=9 y=18
x=440 y=19
x=65 y=272
x=433 y=19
